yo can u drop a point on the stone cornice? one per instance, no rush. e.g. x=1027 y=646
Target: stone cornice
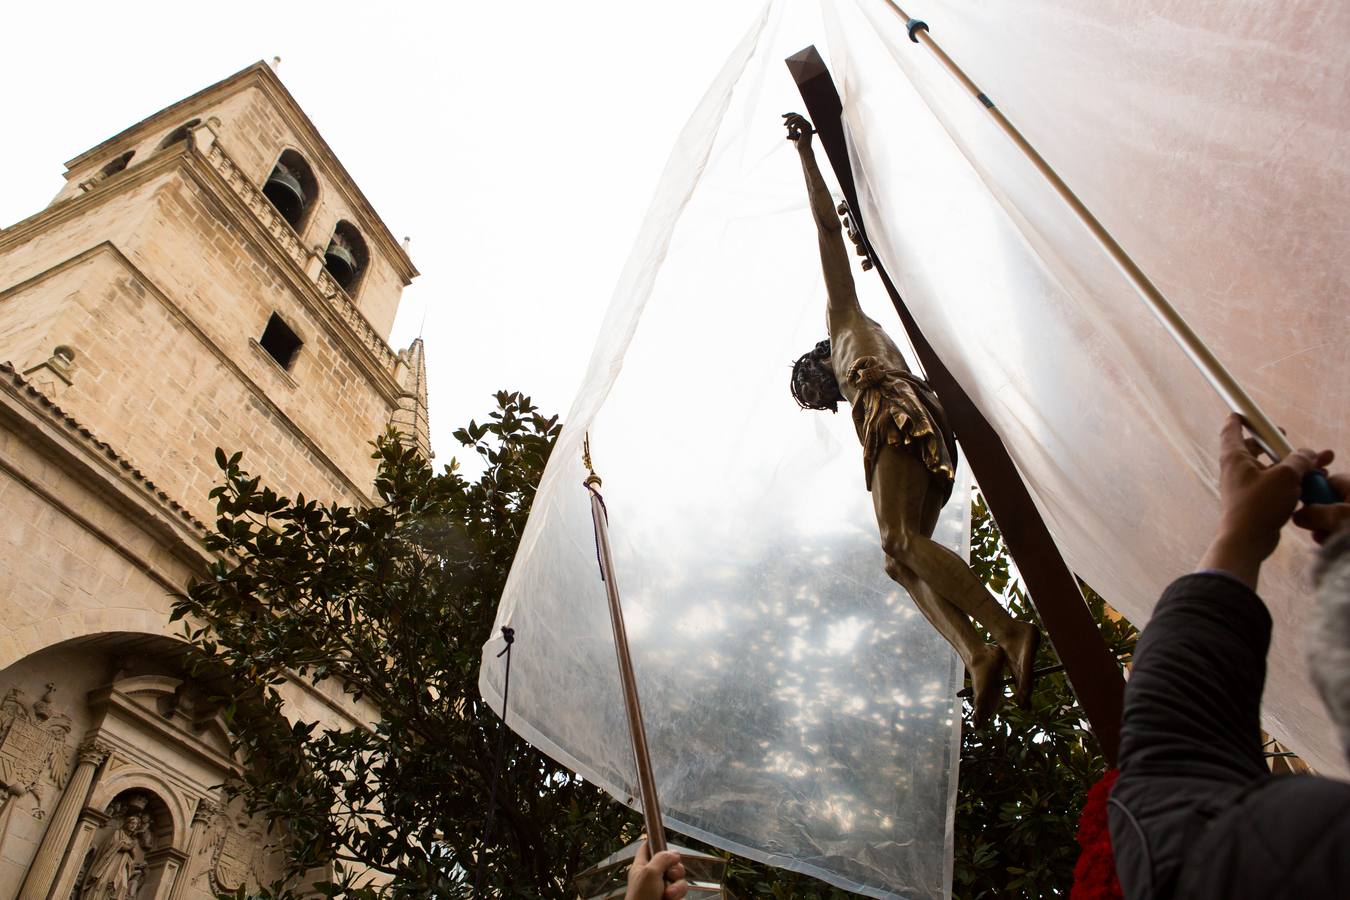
x=99 y=467
x=73 y=207
x=110 y=696
x=214 y=172
x=312 y=143
x=12 y=383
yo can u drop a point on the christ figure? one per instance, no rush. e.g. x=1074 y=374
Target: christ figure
x=908 y=462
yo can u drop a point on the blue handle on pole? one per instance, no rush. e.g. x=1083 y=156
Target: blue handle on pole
x=1318 y=490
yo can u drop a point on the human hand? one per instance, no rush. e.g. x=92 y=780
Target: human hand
x=799 y=130
x=1256 y=501
x=656 y=878
x=1325 y=519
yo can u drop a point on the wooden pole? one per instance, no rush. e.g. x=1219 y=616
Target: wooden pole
x=637 y=732
x=1092 y=670
x=1272 y=439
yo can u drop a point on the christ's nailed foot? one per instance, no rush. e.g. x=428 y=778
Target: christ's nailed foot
x=1022 y=649
x=986 y=683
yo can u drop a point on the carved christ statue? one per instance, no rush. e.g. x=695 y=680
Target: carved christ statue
x=908 y=461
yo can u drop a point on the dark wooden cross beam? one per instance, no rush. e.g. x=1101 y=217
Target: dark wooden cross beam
x=1091 y=668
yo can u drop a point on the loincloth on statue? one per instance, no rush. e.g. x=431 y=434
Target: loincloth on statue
x=898 y=409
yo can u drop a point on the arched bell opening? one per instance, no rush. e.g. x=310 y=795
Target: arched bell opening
x=178 y=134
x=346 y=257
x=292 y=189
x=117 y=164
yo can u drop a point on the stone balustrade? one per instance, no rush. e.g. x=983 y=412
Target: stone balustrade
x=347 y=310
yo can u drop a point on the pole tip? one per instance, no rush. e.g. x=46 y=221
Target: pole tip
x=592 y=479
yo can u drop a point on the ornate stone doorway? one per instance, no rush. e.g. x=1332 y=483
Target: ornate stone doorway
x=110 y=761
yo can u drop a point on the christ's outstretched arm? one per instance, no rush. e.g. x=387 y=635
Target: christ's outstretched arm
x=834 y=258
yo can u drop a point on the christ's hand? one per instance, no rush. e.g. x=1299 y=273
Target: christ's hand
x=799 y=130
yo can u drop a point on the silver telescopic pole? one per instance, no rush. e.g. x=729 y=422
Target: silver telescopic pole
x=1239 y=401
x=651 y=807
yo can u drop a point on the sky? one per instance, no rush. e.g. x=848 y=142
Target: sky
x=517 y=144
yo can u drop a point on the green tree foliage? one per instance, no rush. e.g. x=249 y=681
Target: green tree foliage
x=1024 y=778
x=393 y=602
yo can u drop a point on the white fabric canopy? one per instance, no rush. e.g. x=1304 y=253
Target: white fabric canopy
x=800 y=710
x=1213 y=140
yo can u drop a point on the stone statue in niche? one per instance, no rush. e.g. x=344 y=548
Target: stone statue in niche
x=909 y=460
x=33 y=748
x=118 y=865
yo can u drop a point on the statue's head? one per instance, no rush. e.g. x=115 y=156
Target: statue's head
x=813 y=383
x=135 y=814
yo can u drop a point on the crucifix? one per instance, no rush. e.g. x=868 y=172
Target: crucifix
x=909 y=459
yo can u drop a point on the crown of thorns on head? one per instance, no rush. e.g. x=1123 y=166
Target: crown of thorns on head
x=813 y=383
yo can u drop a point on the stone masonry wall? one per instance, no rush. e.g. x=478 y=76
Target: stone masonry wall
x=91 y=561
x=167 y=365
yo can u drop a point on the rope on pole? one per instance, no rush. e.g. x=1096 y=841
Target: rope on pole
x=509 y=636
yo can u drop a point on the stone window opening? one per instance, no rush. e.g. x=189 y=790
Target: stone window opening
x=292 y=189
x=346 y=257
x=280 y=342
x=178 y=134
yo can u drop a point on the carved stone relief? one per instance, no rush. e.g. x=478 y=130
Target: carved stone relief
x=112 y=819
x=34 y=750
x=234 y=853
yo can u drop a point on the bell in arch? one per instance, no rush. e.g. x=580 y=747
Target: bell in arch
x=287 y=194
x=341 y=262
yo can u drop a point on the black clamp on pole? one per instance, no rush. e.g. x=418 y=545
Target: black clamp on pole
x=915 y=25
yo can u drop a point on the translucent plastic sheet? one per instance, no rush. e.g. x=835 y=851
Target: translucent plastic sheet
x=801 y=711
x=799 y=708
x=1214 y=144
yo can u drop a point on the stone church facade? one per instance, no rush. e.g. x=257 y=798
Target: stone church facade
x=210 y=277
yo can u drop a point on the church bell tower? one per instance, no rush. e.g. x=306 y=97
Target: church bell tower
x=210 y=277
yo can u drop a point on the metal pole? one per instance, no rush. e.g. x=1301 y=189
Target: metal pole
x=1233 y=394
x=651 y=808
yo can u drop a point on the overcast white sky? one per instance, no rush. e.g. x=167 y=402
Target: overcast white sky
x=517 y=143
